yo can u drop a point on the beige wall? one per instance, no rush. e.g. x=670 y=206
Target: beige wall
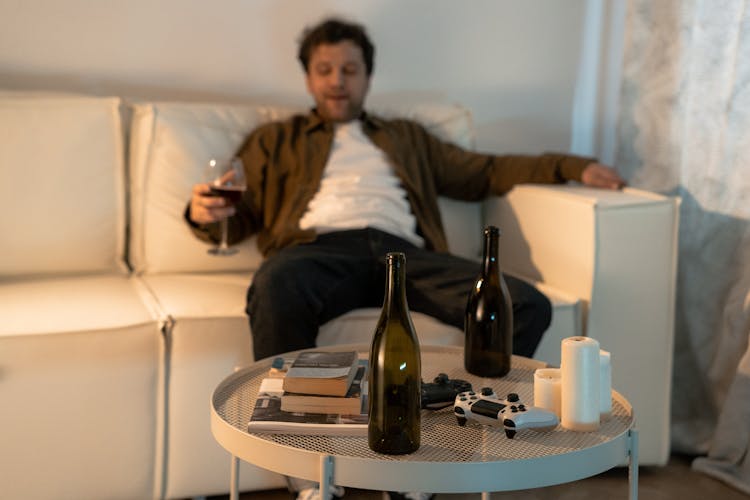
x=514 y=63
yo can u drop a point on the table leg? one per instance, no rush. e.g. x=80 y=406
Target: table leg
x=234 y=487
x=326 y=471
x=633 y=465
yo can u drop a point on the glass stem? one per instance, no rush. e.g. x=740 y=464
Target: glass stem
x=224 y=230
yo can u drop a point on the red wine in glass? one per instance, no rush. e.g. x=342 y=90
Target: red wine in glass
x=226 y=178
x=232 y=194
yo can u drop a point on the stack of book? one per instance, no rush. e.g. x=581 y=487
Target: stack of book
x=318 y=392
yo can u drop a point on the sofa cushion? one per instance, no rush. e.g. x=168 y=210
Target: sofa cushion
x=61 y=185
x=169 y=144
x=451 y=122
x=209 y=337
x=79 y=362
x=73 y=304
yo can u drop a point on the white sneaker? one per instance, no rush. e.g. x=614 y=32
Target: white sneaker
x=412 y=495
x=314 y=493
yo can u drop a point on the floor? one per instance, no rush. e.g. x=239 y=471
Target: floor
x=674 y=481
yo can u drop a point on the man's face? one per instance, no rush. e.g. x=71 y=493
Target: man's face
x=338 y=81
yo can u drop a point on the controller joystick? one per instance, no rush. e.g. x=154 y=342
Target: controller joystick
x=442 y=391
x=511 y=413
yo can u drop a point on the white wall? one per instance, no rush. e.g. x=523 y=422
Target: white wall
x=513 y=63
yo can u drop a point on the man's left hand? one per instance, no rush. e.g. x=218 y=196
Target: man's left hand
x=601 y=176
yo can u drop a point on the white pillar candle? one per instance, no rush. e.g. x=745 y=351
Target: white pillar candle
x=579 y=401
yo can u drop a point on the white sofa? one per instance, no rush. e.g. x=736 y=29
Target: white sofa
x=117 y=325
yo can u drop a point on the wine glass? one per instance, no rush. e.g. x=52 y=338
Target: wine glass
x=226 y=177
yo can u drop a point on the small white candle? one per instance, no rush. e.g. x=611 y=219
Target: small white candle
x=547 y=389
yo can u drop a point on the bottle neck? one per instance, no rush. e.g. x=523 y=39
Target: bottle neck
x=490 y=265
x=395 y=284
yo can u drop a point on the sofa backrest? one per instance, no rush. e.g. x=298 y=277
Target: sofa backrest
x=61 y=185
x=66 y=190
x=170 y=143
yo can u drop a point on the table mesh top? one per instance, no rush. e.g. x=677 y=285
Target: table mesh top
x=442 y=439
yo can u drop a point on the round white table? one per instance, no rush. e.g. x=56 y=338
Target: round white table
x=451 y=458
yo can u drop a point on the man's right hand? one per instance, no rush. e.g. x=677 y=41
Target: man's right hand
x=206 y=208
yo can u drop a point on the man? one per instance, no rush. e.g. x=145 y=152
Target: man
x=331 y=192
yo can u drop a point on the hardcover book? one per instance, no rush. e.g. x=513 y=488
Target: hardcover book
x=322 y=373
x=351 y=403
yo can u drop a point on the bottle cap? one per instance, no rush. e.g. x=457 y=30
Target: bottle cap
x=395 y=257
x=492 y=230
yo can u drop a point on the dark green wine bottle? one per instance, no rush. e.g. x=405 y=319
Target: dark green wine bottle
x=395 y=370
x=488 y=324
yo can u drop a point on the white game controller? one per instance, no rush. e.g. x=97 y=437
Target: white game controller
x=510 y=413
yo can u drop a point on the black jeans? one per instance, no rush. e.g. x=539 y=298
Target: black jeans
x=301 y=287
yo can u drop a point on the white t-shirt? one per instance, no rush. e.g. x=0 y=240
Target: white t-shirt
x=359 y=189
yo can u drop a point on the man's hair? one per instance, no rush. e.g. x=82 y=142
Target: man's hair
x=332 y=31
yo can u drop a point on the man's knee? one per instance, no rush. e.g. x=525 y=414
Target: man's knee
x=276 y=285
x=269 y=299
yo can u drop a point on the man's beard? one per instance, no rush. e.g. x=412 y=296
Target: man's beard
x=330 y=111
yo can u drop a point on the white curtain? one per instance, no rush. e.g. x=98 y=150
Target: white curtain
x=684 y=129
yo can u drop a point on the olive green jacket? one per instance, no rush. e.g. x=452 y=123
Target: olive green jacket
x=284 y=163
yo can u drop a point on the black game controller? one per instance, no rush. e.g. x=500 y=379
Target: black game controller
x=442 y=391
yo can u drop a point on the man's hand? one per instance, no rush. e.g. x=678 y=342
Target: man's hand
x=601 y=176
x=206 y=208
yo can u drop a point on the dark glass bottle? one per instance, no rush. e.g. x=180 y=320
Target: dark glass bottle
x=488 y=323
x=395 y=370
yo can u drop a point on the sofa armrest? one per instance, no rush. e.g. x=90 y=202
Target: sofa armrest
x=566 y=236
x=617 y=252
